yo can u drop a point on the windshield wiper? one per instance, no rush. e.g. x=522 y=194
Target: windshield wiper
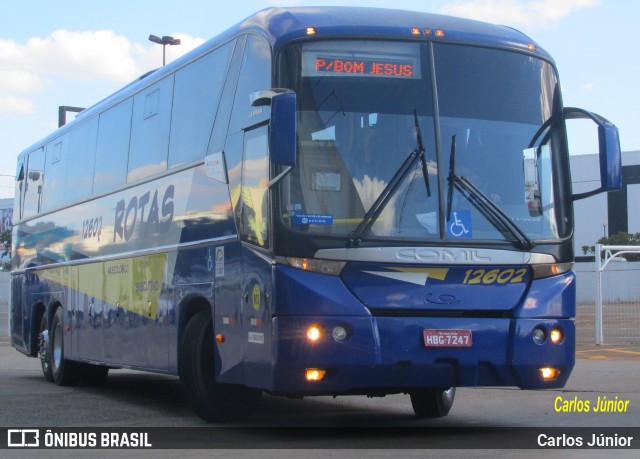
x=483 y=203
x=452 y=176
x=421 y=150
x=370 y=217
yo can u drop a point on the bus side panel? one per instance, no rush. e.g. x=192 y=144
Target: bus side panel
x=206 y=277
x=124 y=296
x=257 y=310
x=228 y=319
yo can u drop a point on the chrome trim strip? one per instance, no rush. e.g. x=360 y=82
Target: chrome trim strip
x=435 y=255
x=130 y=254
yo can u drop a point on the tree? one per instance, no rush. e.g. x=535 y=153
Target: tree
x=5 y=239
x=621 y=238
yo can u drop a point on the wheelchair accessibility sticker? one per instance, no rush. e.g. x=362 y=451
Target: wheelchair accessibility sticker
x=460 y=224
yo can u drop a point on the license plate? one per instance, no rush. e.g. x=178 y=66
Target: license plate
x=447 y=338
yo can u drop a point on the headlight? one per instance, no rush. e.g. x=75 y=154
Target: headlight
x=554 y=269
x=330 y=267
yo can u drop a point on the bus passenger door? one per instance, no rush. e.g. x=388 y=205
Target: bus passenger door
x=253 y=218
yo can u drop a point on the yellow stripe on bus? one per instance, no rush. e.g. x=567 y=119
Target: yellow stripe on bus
x=134 y=284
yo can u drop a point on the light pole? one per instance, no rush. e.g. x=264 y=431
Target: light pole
x=164 y=41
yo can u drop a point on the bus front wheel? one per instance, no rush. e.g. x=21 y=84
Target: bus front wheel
x=432 y=403
x=210 y=400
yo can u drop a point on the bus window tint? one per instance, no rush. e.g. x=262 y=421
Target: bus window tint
x=55 y=159
x=33 y=183
x=113 y=147
x=195 y=105
x=80 y=161
x=255 y=76
x=150 y=129
x=255 y=176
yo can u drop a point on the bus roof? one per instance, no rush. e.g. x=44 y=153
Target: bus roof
x=283 y=25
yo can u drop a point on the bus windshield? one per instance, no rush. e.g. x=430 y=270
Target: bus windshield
x=392 y=132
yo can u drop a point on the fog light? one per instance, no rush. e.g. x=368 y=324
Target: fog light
x=556 y=336
x=313 y=333
x=539 y=335
x=549 y=373
x=340 y=333
x=314 y=374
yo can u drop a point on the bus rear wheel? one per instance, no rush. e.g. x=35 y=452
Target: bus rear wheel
x=210 y=400
x=432 y=403
x=44 y=349
x=64 y=372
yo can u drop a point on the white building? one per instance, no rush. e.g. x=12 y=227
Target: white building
x=608 y=213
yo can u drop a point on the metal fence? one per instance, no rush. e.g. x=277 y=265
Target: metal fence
x=617 y=296
x=5 y=295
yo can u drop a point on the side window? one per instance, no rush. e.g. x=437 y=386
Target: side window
x=20 y=182
x=114 y=132
x=196 y=96
x=150 y=130
x=80 y=161
x=254 y=196
x=33 y=183
x=254 y=76
x=53 y=188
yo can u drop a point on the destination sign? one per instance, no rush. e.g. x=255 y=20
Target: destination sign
x=368 y=65
x=372 y=67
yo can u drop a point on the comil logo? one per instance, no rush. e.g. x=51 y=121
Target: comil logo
x=23 y=438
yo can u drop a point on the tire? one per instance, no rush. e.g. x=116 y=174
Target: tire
x=432 y=403
x=210 y=400
x=44 y=349
x=64 y=372
x=93 y=375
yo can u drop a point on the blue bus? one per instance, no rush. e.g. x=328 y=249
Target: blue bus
x=318 y=201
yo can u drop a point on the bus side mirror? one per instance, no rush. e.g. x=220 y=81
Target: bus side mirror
x=609 y=152
x=610 y=158
x=282 y=138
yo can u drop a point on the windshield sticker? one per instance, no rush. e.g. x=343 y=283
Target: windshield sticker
x=220 y=261
x=429 y=221
x=459 y=226
x=313 y=219
x=326 y=181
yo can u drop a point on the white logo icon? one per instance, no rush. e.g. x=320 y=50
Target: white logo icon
x=23 y=438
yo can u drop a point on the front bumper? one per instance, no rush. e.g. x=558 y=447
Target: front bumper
x=388 y=354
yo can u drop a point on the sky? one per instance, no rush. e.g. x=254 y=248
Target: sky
x=76 y=52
